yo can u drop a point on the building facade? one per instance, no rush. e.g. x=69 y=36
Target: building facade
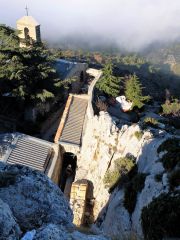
x=29 y=31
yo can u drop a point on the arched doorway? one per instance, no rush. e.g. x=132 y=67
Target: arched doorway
x=68 y=172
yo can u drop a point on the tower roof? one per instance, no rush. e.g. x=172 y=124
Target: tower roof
x=28 y=20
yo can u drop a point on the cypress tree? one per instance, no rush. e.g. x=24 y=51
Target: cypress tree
x=133 y=92
x=109 y=84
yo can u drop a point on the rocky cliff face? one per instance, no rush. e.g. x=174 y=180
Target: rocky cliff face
x=32 y=207
x=106 y=140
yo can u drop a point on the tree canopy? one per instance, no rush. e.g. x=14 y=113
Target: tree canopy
x=27 y=73
x=133 y=92
x=8 y=38
x=109 y=84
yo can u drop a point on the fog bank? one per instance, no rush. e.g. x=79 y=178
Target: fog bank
x=131 y=24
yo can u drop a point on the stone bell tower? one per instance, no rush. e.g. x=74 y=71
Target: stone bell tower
x=29 y=30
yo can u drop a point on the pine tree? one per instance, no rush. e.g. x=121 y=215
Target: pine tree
x=109 y=84
x=133 y=92
x=27 y=73
x=8 y=38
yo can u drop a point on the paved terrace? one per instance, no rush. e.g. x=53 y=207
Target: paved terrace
x=71 y=125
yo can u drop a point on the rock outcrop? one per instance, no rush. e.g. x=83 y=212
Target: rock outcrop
x=9 y=229
x=55 y=232
x=33 y=207
x=34 y=199
x=107 y=139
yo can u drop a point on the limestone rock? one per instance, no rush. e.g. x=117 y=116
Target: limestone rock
x=51 y=231
x=34 y=199
x=32 y=204
x=58 y=232
x=9 y=229
x=77 y=235
x=29 y=235
x=104 y=142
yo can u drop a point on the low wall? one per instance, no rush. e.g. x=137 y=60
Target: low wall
x=54 y=172
x=96 y=74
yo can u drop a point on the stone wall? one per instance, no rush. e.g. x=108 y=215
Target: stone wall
x=54 y=172
x=78 y=201
x=96 y=74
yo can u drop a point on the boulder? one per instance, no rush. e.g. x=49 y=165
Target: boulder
x=33 y=198
x=51 y=231
x=58 y=232
x=9 y=229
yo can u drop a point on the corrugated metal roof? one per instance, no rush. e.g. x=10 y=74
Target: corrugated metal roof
x=30 y=152
x=73 y=127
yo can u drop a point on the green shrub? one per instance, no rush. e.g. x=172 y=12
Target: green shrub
x=161 y=217
x=138 y=134
x=138 y=181
x=111 y=177
x=121 y=167
x=151 y=121
x=171 y=108
x=171 y=144
x=170 y=160
x=174 y=179
x=131 y=190
x=172 y=157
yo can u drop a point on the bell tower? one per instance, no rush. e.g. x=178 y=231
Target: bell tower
x=29 y=30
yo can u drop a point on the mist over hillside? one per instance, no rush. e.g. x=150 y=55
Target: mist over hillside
x=130 y=25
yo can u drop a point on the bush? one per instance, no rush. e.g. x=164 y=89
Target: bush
x=171 y=144
x=172 y=158
x=171 y=108
x=151 y=121
x=131 y=190
x=121 y=167
x=174 y=179
x=161 y=218
x=102 y=106
x=138 y=135
x=111 y=177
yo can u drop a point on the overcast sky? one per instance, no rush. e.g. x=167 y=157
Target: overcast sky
x=130 y=23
